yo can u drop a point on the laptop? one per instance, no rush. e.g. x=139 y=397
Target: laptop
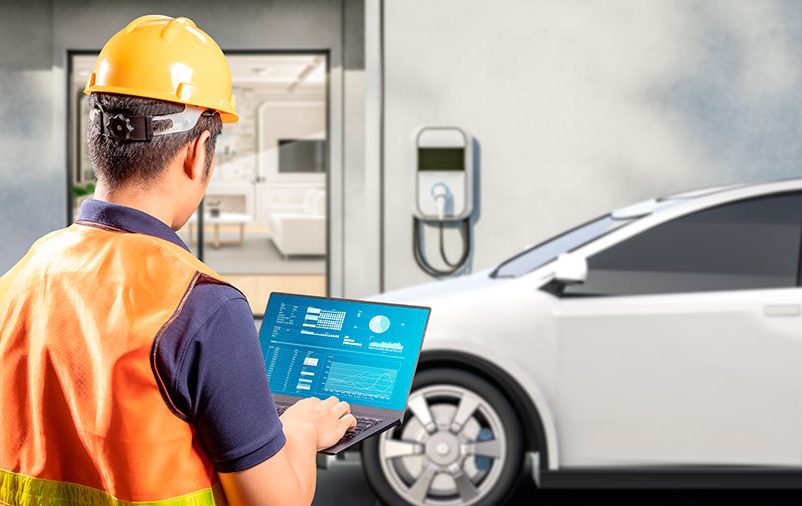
x=364 y=353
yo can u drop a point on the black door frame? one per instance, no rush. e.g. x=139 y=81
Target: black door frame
x=73 y=120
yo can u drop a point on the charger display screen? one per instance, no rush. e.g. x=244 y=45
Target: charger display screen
x=450 y=159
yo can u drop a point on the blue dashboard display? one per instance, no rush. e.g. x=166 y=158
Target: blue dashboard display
x=361 y=352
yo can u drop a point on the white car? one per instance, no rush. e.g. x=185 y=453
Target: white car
x=659 y=345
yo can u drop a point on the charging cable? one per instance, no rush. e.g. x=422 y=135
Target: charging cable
x=441 y=195
x=442 y=198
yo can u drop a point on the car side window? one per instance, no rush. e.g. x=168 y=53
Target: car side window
x=748 y=244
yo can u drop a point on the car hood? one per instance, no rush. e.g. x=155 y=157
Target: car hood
x=477 y=310
x=435 y=291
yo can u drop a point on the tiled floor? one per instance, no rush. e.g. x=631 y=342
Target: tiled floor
x=257 y=287
x=343 y=485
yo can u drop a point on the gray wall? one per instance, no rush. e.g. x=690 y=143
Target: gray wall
x=35 y=37
x=32 y=174
x=583 y=106
x=577 y=106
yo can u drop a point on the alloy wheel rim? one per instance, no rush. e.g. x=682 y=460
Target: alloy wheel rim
x=448 y=452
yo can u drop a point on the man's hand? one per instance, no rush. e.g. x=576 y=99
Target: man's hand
x=330 y=418
x=288 y=478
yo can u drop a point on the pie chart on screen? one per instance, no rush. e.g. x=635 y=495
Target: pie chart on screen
x=379 y=324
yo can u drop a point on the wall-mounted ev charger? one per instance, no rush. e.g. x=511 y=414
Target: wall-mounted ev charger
x=444 y=183
x=444 y=174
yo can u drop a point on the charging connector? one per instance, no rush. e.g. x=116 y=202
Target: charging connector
x=444 y=194
x=441 y=195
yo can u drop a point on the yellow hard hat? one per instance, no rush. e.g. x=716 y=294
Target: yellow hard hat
x=167 y=59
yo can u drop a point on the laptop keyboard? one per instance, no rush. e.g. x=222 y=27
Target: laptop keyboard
x=363 y=423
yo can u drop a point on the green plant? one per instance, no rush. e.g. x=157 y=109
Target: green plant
x=83 y=190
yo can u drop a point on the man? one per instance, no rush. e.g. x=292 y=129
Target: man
x=129 y=370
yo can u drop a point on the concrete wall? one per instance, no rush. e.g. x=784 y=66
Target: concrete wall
x=36 y=35
x=582 y=106
x=577 y=107
x=32 y=176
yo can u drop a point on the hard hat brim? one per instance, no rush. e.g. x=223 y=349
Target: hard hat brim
x=226 y=115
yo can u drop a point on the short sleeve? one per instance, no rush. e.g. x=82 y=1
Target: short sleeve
x=219 y=382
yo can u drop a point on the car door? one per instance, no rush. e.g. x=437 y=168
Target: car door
x=684 y=345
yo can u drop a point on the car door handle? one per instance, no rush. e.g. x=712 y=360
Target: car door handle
x=782 y=310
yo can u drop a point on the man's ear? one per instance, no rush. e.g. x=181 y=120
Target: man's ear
x=195 y=161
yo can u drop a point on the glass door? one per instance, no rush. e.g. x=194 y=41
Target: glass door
x=263 y=224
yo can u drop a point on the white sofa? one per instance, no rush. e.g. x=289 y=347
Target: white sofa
x=304 y=232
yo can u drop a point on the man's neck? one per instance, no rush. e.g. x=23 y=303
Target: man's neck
x=150 y=202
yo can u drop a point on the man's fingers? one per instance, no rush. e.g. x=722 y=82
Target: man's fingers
x=331 y=401
x=341 y=408
x=348 y=421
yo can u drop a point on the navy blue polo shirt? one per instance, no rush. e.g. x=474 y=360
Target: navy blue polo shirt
x=210 y=359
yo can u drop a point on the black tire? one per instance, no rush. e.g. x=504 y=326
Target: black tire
x=512 y=463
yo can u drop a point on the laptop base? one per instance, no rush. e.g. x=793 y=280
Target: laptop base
x=380 y=421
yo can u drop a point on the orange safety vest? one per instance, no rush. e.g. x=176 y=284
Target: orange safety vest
x=83 y=416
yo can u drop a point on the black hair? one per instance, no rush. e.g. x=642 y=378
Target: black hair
x=119 y=162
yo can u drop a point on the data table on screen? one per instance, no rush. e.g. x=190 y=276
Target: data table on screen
x=361 y=352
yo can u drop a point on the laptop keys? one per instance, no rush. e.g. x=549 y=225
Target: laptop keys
x=363 y=423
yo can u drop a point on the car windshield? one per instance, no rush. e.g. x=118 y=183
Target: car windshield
x=547 y=251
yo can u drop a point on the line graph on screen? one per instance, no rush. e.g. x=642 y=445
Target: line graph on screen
x=360 y=380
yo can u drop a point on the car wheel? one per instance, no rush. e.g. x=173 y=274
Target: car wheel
x=460 y=444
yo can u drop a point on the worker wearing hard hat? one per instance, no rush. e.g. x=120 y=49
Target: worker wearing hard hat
x=130 y=372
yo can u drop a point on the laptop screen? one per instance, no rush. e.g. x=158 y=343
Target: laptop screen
x=362 y=352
